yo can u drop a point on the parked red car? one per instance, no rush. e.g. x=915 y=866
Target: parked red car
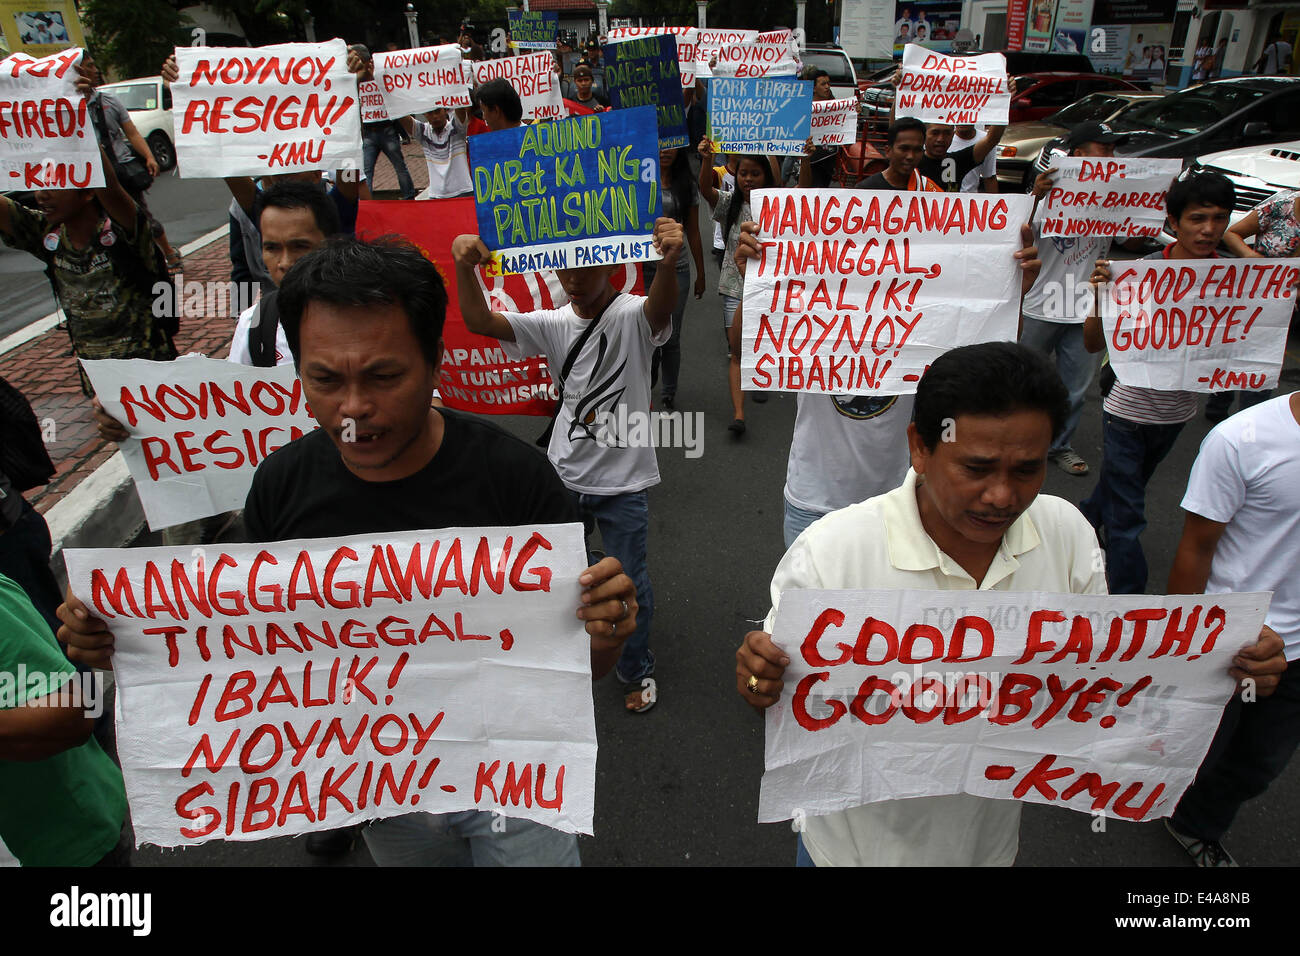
x=1042 y=94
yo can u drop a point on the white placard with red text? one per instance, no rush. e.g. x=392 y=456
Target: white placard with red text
x=534 y=79
x=858 y=291
x=46 y=137
x=1203 y=325
x=835 y=122
x=272 y=689
x=416 y=81
x=199 y=427
x=1092 y=702
x=256 y=111
x=1113 y=196
x=958 y=90
x=371 y=95
x=765 y=54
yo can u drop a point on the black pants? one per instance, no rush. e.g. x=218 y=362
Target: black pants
x=1250 y=749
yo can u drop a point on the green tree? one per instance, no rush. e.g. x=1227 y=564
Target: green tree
x=131 y=37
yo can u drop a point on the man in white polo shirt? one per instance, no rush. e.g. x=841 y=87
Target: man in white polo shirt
x=968 y=517
x=1242 y=533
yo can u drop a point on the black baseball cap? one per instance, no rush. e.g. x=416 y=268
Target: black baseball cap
x=1093 y=133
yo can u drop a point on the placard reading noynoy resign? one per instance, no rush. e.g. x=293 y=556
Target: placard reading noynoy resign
x=770 y=114
x=199 y=427
x=1202 y=325
x=958 y=90
x=582 y=191
x=271 y=689
x=858 y=291
x=266 y=110
x=1117 y=197
x=46 y=137
x=1094 y=702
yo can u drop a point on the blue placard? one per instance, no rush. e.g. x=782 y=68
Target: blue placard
x=575 y=192
x=644 y=72
x=759 y=114
x=534 y=29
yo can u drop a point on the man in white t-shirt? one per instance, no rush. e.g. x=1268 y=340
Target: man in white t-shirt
x=968 y=517
x=604 y=405
x=1242 y=533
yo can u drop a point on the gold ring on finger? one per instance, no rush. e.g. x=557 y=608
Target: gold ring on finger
x=752 y=684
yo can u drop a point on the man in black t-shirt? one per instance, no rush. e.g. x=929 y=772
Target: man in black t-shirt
x=949 y=169
x=904 y=146
x=364 y=322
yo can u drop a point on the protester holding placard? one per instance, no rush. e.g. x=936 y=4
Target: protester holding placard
x=680 y=202
x=600 y=344
x=380 y=136
x=102 y=261
x=1140 y=425
x=730 y=210
x=364 y=321
x=968 y=516
x=1054 y=310
x=1242 y=533
x=949 y=526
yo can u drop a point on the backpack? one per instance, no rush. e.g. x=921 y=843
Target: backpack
x=261 y=337
x=23 y=457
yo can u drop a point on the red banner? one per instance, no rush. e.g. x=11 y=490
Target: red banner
x=476 y=374
x=1017 y=13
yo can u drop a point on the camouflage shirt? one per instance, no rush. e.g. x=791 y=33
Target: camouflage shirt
x=109 y=309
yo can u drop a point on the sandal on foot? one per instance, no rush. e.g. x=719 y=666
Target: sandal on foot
x=640 y=697
x=737 y=427
x=1070 y=462
x=174 y=263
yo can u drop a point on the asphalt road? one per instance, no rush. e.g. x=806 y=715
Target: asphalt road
x=678 y=785
x=187 y=208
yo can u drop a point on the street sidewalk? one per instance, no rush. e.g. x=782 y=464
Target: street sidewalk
x=106 y=513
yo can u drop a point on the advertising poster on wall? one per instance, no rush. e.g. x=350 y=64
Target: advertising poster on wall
x=932 y=24
x=1070 y=34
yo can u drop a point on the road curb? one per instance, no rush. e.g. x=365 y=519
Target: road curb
x=103 y=511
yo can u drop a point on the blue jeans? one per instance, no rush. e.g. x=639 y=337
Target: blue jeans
x=1131 y=452
x=624 y=522
x=802 y=858
x=468 y=838
x=1075 y=364
x=383 y=138
x=669 y=355
x=796 y=520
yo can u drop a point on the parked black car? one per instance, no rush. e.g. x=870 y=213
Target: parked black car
x=1222 y=114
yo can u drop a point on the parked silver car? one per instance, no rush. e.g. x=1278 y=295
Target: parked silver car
x=149 y=101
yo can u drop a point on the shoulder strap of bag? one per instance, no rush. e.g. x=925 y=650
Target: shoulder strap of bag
x=544 y=438
x=261 y=337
